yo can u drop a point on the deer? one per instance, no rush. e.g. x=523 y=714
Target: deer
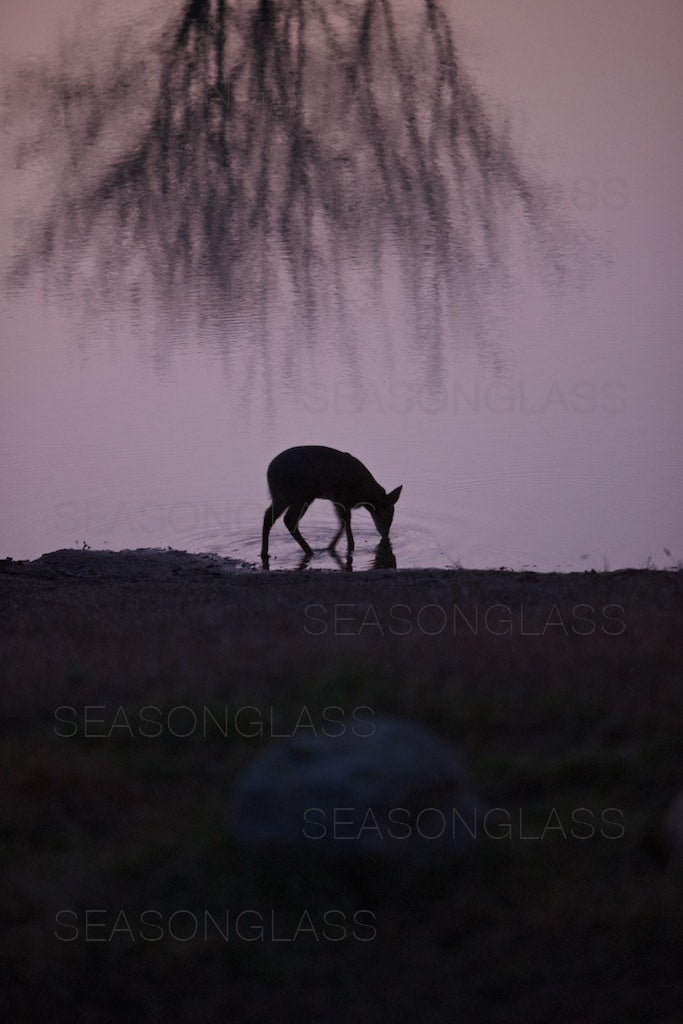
x=297 y=476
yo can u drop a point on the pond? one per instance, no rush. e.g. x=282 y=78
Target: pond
x=446 y=238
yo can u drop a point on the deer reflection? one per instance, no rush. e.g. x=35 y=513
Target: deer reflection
x=281 y=138
x=345 y=564
x=384 y=558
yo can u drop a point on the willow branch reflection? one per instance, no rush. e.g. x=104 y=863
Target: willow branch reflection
x=284 y=142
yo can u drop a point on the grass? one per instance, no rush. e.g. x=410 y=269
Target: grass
x=548 y=719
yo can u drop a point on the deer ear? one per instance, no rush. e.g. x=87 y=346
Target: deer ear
x=393 y=496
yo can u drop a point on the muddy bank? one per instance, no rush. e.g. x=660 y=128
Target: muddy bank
x=124 y=622
x=137 y=685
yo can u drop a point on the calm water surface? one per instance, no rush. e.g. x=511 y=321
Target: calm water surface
x=196 y=279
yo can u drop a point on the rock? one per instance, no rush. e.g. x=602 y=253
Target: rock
x=142 y=563
x=398 y=792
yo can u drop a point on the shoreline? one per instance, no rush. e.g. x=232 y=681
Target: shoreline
x=134 y=619
x=158 y=561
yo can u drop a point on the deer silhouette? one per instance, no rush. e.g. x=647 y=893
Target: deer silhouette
x=297 y=476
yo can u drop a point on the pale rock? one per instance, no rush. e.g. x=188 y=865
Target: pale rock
x=397 y=792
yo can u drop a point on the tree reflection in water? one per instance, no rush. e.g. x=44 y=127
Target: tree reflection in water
x=283 y=143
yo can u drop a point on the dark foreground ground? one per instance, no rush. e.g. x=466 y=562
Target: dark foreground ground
x=137 y=685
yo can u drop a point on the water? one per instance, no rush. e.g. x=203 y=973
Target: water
x=512 y=358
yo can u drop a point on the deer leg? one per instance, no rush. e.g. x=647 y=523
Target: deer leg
x=272 y=513
x=345 y=516
x=292 y=517
x=342 y=524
